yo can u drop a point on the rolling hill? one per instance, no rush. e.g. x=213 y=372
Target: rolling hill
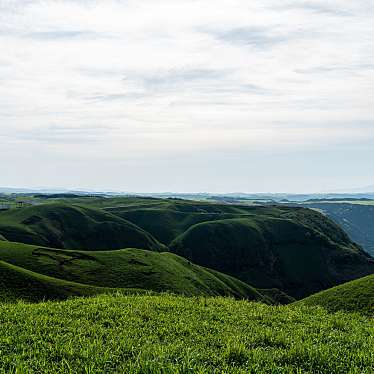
x=296 y=250
x=67 y=226
x=17 y=283
x=354 y=296
x=90 y=272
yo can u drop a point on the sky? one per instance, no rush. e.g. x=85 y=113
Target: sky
x=187 y=95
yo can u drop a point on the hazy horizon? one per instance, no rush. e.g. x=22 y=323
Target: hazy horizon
x=368 y=190
x=187 y=96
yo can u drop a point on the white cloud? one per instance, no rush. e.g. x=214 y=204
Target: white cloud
x=130 y=80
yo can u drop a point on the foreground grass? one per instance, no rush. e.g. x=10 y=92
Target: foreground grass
x=162 y=334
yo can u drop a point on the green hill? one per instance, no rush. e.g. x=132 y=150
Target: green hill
x=354 y=296
x=168 y=218
x=168 y=334
x=298 y=251
x=60 y=225
x=123 y=269
x=18 y=283
x=165 y=224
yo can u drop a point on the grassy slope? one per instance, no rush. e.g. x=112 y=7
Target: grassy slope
x=166 y=219
x=18 y=283
x=127 y=268
x=298 y=250
x=290 y=254
x=164 y=223
x=154 y=334
x=356 y=219
x=357 y=295
x=179 y=215
x=60 y=225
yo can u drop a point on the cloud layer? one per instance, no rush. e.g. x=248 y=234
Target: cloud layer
x=187 y=95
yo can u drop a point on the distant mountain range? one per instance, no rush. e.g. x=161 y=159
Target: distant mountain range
x=358 y=193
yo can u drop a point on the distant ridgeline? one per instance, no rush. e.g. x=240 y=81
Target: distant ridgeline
x=66 y=245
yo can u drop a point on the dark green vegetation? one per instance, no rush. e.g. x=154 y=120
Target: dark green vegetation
x=168 y=334
x=295 y=250
x=61 y=225
x=356 y=218
x=53 y=273
x=354 y=296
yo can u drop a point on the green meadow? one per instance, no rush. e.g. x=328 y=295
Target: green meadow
x=171 y=334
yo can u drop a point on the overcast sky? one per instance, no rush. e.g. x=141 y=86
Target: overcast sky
x=187 y=95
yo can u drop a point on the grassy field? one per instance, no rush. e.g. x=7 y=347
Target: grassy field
x=169 y=334
x=357 y=295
